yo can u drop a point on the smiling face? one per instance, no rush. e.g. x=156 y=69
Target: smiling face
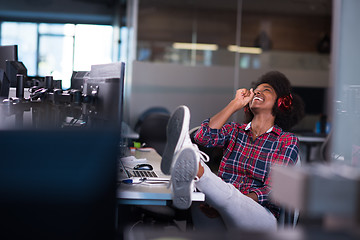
x=264 y=99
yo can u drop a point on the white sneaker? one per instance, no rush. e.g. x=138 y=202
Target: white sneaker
x=183 y=174
x=181 y=157
x=177 y=134
x=186 y=164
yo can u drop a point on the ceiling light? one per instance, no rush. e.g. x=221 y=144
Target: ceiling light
x=195 y=46
x=249 y=50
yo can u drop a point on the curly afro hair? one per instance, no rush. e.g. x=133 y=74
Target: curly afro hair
x=284 y=118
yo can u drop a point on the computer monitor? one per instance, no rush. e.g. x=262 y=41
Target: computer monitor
x=8 y=53
x=58 y=184
x=314 y=99
x=106 y=83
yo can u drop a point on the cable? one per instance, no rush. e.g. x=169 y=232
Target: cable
x=134 y=225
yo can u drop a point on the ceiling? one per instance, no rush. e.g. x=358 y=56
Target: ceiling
x=299 y=7
x=24 y=9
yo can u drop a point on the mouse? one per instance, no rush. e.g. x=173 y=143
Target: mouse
x=143 y=166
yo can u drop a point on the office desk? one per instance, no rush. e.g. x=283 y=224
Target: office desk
x=155 y=194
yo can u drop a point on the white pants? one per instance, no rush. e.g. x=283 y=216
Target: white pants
x=236 y=210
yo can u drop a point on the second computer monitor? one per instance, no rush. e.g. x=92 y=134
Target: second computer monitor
x=106 y=84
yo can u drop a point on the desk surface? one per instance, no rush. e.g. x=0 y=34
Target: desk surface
x=148 y=194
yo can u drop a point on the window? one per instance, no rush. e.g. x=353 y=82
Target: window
x=93 y=45
x=25 y=36
x=56 y=47
x=59 y=49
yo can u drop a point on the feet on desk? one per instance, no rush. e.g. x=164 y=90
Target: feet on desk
x=177 y=134
x=181 y=158
x=183 y=173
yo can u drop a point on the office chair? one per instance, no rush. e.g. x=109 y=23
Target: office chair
x=215 y=154
x=152 y=131
x=148 y=112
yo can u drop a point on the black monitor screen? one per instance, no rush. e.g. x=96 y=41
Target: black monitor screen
x=314 y=99
x=9 y=53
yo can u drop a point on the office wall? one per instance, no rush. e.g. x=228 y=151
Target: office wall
x=205 y=90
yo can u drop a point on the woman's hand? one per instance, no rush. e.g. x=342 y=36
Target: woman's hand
x=242 y=97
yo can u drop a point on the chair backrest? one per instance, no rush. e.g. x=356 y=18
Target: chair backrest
x=147 y=113
x=215 y=154
x=152 y=131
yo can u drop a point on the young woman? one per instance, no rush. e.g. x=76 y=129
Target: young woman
x=239 y=195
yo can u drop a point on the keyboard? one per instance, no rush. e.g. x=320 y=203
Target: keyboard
x=143 y=173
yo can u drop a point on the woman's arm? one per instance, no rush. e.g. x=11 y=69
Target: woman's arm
x=214 y=131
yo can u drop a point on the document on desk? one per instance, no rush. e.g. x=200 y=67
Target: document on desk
x=127 y=173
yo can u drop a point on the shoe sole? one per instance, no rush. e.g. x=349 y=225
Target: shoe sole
x=182 y=177
x=175 y=136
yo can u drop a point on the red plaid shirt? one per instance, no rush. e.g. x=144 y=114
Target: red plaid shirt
x=246 y=163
